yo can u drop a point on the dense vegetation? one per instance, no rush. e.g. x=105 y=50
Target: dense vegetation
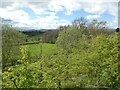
x=83 y=56
x=48 y=36
x=11 y=40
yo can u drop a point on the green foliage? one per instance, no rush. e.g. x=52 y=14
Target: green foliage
x=33 y=35
x=93 y=65
x=82 y=60
x=25 y=75
x=96 y=58
x=11 y=40
x=102 y=62
x=50 y=36
x=69 y=38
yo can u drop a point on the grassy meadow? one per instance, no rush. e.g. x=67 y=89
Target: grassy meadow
x=41 y=48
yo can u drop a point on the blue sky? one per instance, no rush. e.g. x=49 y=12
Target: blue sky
x=31 y=13
x=50 y=14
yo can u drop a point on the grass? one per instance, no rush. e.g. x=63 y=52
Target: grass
x=44 y=48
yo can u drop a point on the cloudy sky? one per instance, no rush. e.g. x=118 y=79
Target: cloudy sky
x=49 y=14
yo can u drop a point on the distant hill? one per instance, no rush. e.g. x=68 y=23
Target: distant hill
x=33 y=32
x=30 y=29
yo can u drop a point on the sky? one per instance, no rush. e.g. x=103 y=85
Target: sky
x=50 y=14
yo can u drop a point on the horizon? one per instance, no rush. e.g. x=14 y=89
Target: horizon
x=51 y=14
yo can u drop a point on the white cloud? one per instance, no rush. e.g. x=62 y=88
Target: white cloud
x=51 y=21
x=95 y=9
x=68 y=6
x=112 y=8
x=49 y=8
x=91 y=17
x=111 y=26
x=47 y=22
x=16 y=16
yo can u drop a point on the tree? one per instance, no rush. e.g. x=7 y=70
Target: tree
x=69 y=38
x=79 y=23
x=97 y=27
x=50 y=36
x=11 y=40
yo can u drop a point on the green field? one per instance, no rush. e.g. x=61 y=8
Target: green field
x=42 y=48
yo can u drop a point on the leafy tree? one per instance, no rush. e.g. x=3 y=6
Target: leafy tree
x=24 y=75
x=11 y=40
x=80 y=23
x=50 y=36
